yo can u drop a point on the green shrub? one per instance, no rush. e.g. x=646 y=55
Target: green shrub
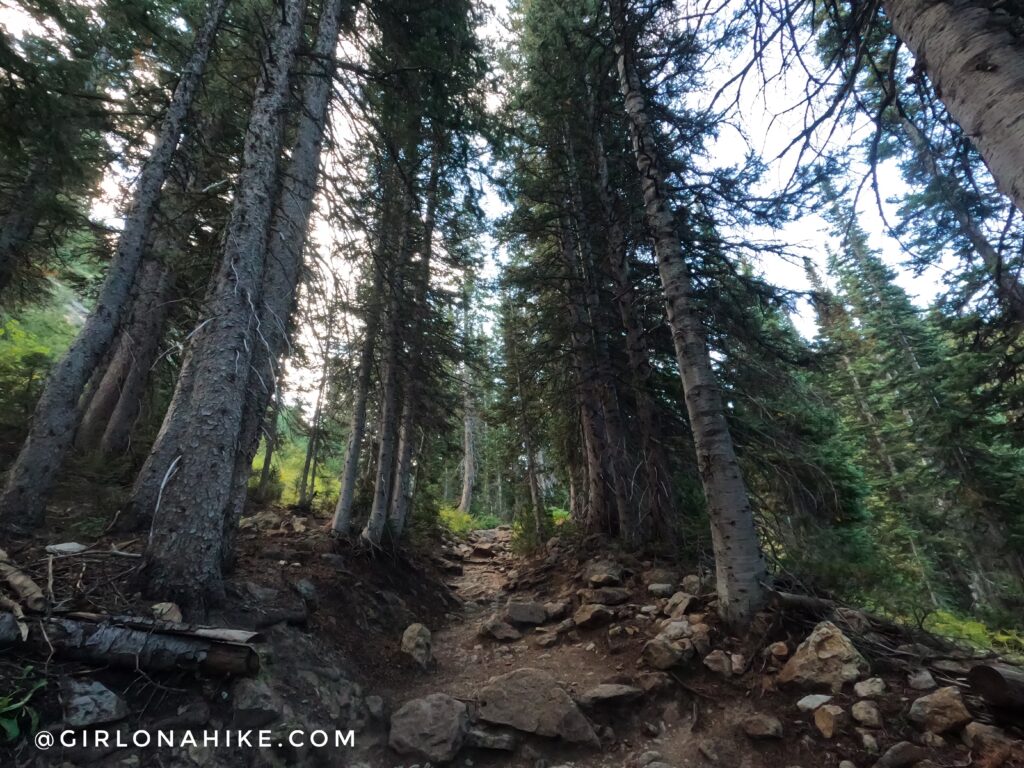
x=17 y=717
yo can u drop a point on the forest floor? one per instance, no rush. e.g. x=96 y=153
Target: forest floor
x=574 y=679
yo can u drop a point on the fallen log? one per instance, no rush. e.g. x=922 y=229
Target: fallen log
x=171 y=627
x=119 y=645
x=28 y=592
x=999 y=684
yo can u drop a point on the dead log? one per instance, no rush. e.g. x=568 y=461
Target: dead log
x=148 y=649
x=999 y=684
x=222 y=634
x=28 y=592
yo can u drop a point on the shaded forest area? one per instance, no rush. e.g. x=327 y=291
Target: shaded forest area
x=376 y=262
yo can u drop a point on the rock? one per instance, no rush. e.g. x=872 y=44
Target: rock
x=701 y=638
x=87 y=702
x=940 y=712
x=255 y=704
x=812 y=702
x=525 y=612
x=499 y=630
x=491 y=738
x=167 y=612
x=416 y=643
x=868 y=740
x=762 y=727
x=532 y=701
x=870 y=688
x=605 y=595
x=866 y=713
x=718 y=661
x=610 y=693
x=825 y=658
x=604 y=573
x=676 y=630
x=568 y=625
x=648 y=758
x=847 y=764
x=618 y=639
x=375 y=707
x=678 y=604
x=547 y=640
x=691 y=584
x=589 y=616
x=951 y=666
x=829 y=720
x=660 y=653
x=655 y=682
x=778 y=650
x=307 y=591
x=556 y=610
x=739 y=663
x=901 y=755
x=932 y=740
x=921 y=680
x=432 y=728
x=985 y=738
x=67 y=548
x=483 y=549
x=661 y=590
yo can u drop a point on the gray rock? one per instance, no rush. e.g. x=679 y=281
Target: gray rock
x=416 y=642
x=691 y=584
x=661 y=653
x=525 y=612
x=307 y=591
x=532 y=701
x=718 y=661
x=921 y=680
x=661 y=590
x=762 y=727
x=605 y=595
x=866 y=713
x=88 y=702
x=254 y=704
x=556 y=610
x=870 y=688
x=812 y=702
x=375 y=707
x=604 y=573
x=985 y=737
x=433 y=728
x=901 y=755
x=497 y=739
x=679 y=604
x=610 y=693
x=499 y=630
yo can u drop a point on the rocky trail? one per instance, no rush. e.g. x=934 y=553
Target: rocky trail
x=467 y=653
x=571 y=661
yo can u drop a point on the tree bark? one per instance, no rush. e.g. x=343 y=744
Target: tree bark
x=739 y=565
x=468 y=448
x=285 y=247
x=17 y=226
x=271 y=438
x=182 y=561
x=33 y=474
x=976 y=65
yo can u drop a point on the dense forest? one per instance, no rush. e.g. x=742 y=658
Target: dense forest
x=404 y=270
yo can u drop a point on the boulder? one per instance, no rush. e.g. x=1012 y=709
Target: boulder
x=661 y=590
x=499 y=630
x=940 y=712
x=660 y=653
x=610 y=693
x=761 y=727
x=604 y=573
x=525 y=612
x=719 y=662
x=88 y=702
x=590 y=616
x=921 y=680
x=605 y=595
x=417 y=644
x=829 y=719
x=678 y=604
x=901 y=755
x=531 y=700
x=870 y=688
x=432 y=728
x=812 y=702
x=556 y=610
x=826 y=658
x=866 y=713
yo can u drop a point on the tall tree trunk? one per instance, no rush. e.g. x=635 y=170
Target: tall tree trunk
x=32 y=476
x=660 y=503
x=182 y=561
x=373 y=531
x=739 y=565
x=114 y=405
x=1007 y=284
x=468 y=447
x=976 y=65
x=285 y=247
x=270 y=434
x=17 y=226
x=307 y=487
